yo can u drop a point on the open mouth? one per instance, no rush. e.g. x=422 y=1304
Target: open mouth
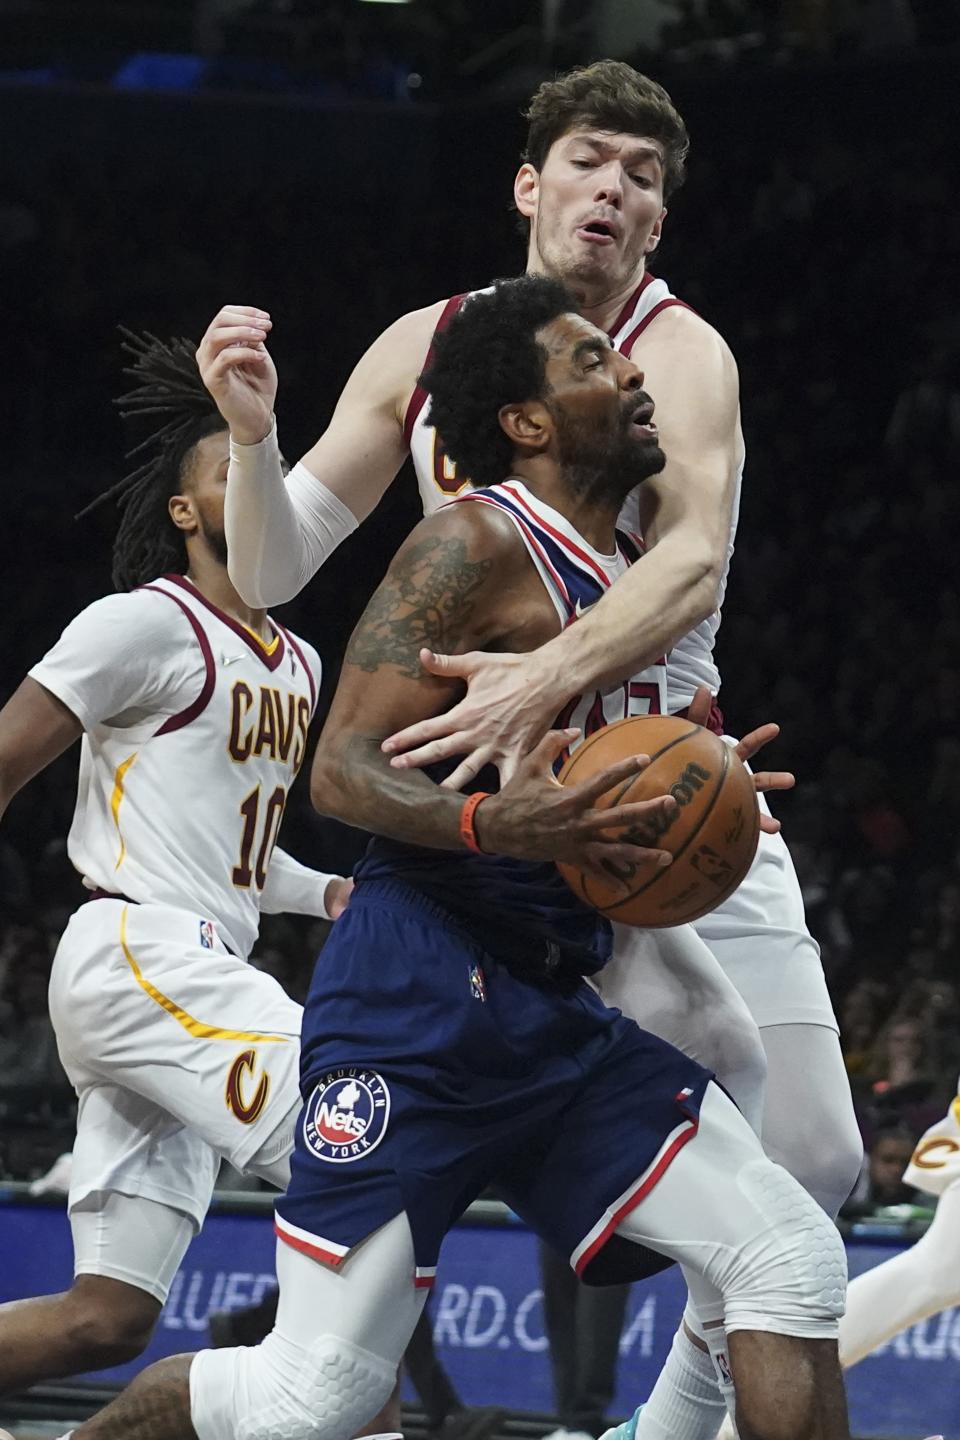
x=597 y=232
x=641 y=420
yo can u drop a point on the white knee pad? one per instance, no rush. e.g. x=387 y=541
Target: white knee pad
x=279 y=1390
x=790 y=1279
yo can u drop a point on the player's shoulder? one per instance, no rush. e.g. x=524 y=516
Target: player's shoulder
x=679 y=335
x=475 y=529
x=148 y=611
x=413 y=330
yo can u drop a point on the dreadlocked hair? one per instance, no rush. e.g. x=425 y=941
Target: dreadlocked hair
x=167 y=385
x=488 y=356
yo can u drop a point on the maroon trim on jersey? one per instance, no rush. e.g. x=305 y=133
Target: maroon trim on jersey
x=177 y=722
x=295 y=645
x=714 y=719
x=258 y=647
x=631 y=305
x=419 y=397
x=632 y=338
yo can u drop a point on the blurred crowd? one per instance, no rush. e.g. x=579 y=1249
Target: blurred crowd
x=822 y=243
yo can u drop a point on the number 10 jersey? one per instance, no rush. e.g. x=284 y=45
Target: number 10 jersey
x=194 y=730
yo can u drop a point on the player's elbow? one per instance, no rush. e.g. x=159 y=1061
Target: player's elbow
x=704 y=582
x=325 y=783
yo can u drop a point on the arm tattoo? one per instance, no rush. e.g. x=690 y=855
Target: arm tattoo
x=424 y=601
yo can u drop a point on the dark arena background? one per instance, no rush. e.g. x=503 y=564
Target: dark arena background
x=341 y=163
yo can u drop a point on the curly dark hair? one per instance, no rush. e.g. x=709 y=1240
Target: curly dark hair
x=168 y=386
x=607 y=95
x=488 y=356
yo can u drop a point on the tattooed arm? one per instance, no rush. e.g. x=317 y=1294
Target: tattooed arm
x=461 y=580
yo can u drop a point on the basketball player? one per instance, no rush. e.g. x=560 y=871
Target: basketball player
x=450 y=1039
x=605 y=149
x=193 y=710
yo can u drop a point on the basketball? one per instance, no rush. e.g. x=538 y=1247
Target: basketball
x=712 y=835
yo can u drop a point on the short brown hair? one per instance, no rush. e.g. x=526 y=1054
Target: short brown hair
x=607 y=95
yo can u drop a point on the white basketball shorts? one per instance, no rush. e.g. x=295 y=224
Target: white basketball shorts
x=179 y=1052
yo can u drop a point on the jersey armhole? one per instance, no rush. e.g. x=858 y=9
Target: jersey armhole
x=298 y=651
x=184 y=717
x=419 y=397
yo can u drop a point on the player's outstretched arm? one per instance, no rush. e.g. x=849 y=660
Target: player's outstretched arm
x=279 y=528
x=453 y=583
x=35 y=727
x=295 y=889
x=685 y=516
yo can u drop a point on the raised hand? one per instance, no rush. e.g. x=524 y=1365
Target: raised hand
x=237 y=369
x=535 y=818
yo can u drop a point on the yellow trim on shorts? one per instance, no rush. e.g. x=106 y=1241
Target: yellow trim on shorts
x=116 y=799
x=193 y=1027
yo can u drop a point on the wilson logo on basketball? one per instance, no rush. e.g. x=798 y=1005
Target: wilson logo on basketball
x=246 y=1106
x=693 y=778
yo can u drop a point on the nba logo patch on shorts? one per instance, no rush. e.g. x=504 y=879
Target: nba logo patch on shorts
x=207 y=934
x=477 y=987
x=346 y=1116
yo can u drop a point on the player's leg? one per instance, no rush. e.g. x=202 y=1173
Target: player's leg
x=329 y=1364
x=140 y=1187
x=906 y=1289
x=141 y=1001
x=760 y=938
x=672 y=985
x=809 y=1126
x=760 y=1244
x=670 y=982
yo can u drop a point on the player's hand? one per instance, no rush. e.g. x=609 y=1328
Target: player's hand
x=237 y=369
x=510 y=701
x=337 y=895
x=749 y=746
x=535 y=818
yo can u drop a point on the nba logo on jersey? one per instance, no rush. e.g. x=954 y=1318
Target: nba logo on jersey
x=477 y=988
x=346 y=1116
x=207 y=934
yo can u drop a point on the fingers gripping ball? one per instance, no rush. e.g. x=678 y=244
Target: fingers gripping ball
x=712 y=834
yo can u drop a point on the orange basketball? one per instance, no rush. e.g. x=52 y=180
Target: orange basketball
x=712 y=835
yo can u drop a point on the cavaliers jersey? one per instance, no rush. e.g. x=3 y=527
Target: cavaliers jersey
x=194 y=729
x=690 y=663
x=511 y=899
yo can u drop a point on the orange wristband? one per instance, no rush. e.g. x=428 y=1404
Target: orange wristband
x=467 y=833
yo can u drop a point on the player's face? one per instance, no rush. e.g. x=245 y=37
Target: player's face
x=595 y=209
x=201 y=505
x=604 y=433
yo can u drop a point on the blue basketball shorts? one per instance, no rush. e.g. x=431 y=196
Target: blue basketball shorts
x=430 y=1073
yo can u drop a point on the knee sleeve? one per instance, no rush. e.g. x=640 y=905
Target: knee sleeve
x=327 y=1390
x=791 y=1276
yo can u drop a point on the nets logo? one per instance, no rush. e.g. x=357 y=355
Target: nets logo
x=346 y=1116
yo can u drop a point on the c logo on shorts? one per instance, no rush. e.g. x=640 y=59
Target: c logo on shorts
x=935 y=1153
x=246 y=1111
x=346 y=1116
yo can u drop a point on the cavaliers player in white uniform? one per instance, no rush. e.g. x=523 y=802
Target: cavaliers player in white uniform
x=605 y=147
x=193 y=711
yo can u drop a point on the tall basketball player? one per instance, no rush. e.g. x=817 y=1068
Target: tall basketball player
x=450 y=1039
x=605 y=149
x=193 y=710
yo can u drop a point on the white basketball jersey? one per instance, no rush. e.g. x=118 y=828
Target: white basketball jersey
x=194 y=729
x=690 y=663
